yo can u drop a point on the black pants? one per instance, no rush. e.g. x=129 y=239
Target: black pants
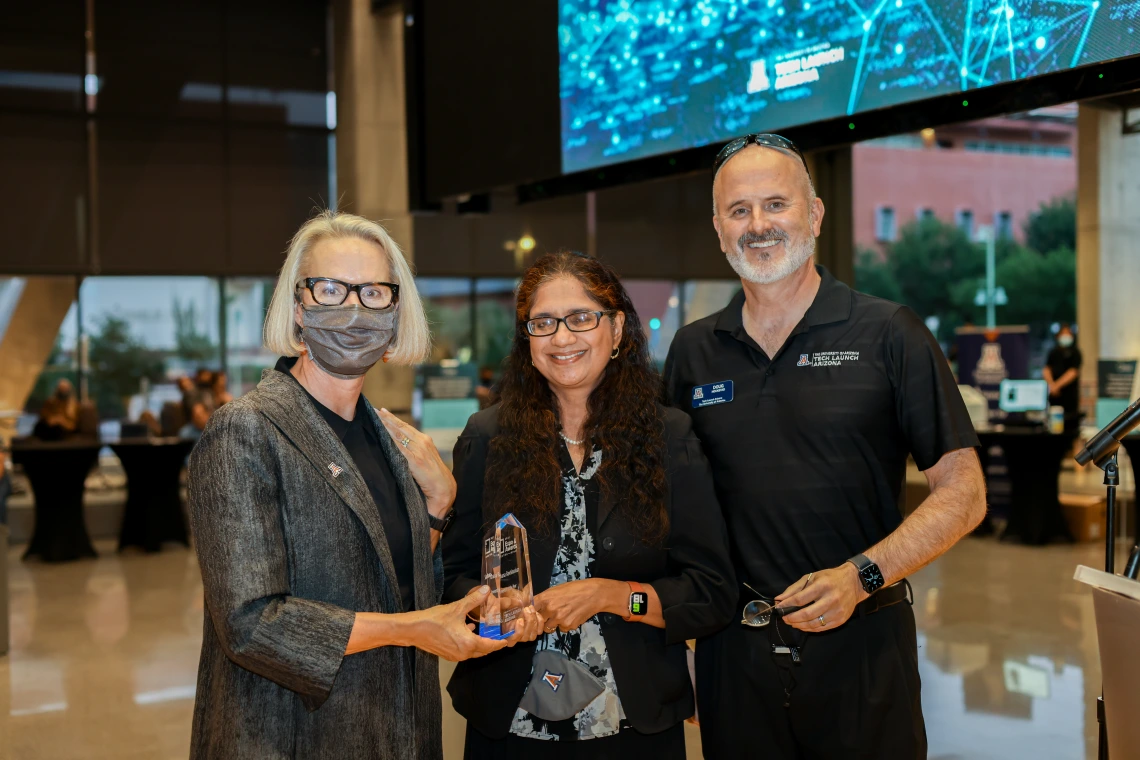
x=626 y=745
x=855 y=693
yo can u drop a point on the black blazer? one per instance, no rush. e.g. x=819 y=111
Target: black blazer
x=692 y=575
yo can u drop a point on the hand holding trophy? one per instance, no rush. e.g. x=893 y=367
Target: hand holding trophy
x=509 y=608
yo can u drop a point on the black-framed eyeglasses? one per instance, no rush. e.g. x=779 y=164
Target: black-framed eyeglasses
x=579 y=321
x=329 y=292
x=765 y=139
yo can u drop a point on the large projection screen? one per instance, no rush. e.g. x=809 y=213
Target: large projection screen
x=640 y=78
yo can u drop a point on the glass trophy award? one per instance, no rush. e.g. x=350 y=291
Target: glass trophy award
x=506 y=569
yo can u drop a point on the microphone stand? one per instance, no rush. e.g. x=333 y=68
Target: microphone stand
x=1111 y=481
x=1102 y=449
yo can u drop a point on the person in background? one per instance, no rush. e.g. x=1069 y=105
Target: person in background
x=220 y=389
x=1063 y=373
x=5 y=485
x=485 y=392
x=197 y=404
x=59 y=415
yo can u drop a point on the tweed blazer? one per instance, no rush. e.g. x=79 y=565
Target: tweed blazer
x=290 y=549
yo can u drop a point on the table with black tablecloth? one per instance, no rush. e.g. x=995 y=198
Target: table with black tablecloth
x=1033 y=465
x=153 y=514
x=57 y=472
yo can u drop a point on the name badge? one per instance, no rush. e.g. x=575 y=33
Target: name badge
x=713 y=393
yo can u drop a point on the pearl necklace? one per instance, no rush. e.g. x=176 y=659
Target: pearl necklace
x=571 y=441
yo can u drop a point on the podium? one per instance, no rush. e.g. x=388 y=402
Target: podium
x=1116 y=600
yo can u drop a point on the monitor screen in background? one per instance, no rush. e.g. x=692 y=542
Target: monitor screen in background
x=644 y=77
x=1023 y=396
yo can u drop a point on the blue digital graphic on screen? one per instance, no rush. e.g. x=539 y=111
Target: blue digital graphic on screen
x=643 y=77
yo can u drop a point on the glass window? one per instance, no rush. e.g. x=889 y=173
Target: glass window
x=142 y=333
x=447 y=301
x=1003 y=225
x=658 y=305
x=885 y=224
x=494 y=321
x=924 y=214
x=62 y=362
x=703 y=297
x=965 y=221
x=247 y=300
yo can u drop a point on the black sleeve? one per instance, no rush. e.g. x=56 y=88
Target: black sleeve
x=928 y=404
x=1076 y=360
x=699 y=595
x=673 y=383
x=462 y=541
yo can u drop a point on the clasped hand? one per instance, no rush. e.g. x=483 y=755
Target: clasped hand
x=568 y=605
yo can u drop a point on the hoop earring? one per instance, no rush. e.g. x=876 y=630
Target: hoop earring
x=617 y=350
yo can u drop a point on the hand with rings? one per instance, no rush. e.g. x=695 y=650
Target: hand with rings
x=427 y=468
x=826 y=599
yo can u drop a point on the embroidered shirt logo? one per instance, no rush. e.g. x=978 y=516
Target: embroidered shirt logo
x=827 y=358
x=335 y=470
x=554 y=680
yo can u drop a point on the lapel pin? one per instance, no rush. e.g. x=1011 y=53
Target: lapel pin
x=335 y=470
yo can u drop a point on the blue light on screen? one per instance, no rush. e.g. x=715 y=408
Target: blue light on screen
x=643 y=77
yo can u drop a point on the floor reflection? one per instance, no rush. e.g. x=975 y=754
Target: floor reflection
x=104 y=656
x=1007 y=652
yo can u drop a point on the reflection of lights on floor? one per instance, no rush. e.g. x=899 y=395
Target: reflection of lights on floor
x=39 y=709
x=165 y=695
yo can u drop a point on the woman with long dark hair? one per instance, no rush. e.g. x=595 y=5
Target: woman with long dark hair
x=628 y=548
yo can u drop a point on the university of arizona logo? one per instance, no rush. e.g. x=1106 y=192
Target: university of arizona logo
x=804 y=361
x=554 y=680
x=335 y=470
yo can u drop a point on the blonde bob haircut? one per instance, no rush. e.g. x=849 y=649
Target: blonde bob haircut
x=282 y=334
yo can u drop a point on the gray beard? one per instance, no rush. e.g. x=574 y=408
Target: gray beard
x=763 y=269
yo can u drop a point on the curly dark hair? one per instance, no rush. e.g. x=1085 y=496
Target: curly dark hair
x=622 y=417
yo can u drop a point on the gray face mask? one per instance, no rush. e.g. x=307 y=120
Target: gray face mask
x=346 y=341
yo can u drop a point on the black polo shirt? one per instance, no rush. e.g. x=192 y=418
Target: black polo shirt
x=809 y=455
x=358 y=436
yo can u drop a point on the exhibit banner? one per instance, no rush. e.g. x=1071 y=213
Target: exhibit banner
x=986 y=356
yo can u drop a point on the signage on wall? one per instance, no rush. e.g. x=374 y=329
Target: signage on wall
x=1114 y=378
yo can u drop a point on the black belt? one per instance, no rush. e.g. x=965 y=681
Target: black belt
x=885 y=597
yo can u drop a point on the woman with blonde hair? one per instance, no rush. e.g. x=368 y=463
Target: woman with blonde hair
x=317 y=522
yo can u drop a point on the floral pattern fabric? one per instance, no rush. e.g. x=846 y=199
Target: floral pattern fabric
x=603 y=716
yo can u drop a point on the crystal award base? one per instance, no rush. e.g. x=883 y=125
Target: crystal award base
x=506 y=569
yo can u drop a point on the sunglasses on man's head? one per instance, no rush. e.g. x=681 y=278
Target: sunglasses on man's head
x=763 y=139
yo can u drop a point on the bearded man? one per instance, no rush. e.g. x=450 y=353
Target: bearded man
x=808 y=398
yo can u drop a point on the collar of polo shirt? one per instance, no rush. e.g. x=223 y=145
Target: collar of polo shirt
x=832 y=303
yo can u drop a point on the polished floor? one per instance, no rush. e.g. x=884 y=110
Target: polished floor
x=104 y=654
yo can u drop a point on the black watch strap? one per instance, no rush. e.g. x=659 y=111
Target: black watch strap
x=440 y=523
x=869 y=574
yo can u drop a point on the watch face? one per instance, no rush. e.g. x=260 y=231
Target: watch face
x=638 y=603
x=872 y=579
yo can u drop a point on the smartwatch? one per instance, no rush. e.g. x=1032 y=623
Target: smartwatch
x=638 y=600
x=440 y=523
x=869 y=574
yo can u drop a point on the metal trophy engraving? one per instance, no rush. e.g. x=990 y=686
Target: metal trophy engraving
x=506 y=569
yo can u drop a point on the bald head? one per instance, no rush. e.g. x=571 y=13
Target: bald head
x=764 y=158
x=766 y=213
